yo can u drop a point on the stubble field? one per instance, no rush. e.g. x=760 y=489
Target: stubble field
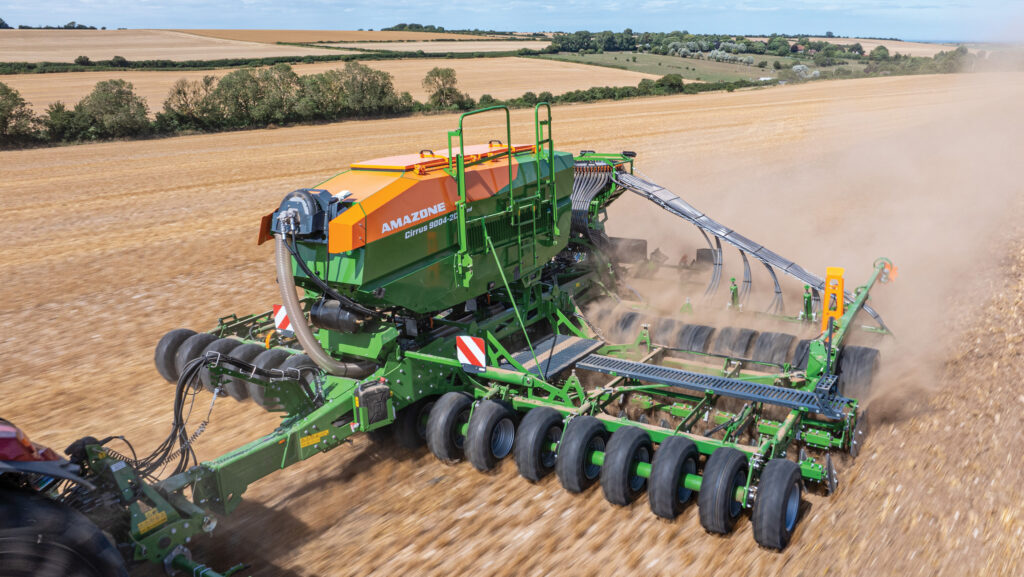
x=110 y=245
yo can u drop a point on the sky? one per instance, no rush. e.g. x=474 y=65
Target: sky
x=948 y=20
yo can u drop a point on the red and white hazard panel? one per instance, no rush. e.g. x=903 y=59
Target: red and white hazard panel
x=281 y=320
x=471 y=352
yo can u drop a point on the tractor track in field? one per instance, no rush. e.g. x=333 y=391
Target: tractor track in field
x=138 y=238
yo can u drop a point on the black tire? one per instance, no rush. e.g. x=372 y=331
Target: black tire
x=41 y=538
x=192 y=348
x=777 y=508
x=627 y=447
x=235 y=387
x=857 y=369
x=491 y=435
x=167 y=350
x=222 y=346
x=675 y=458
x=308 y=371
x=772 y=348
x=694 y=338
x=538 y=429
x=267 y=360
x=582 y=435
x=447 y=416
x=410 y=426
x=801 y=354
x=725 y=471
x=666 y=332
x=627 y=323
x=734 y=342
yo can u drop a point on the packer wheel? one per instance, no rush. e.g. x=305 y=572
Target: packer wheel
x=491 y=435
x=245 y=353
x=267 y=360
x=726 y=471
x=222 y=346
x=734 y=342
x=772 y=347
x=167 y=350
x=538 y=430
x=627 y=447
x=857 y=369
x=800 y=355
x=410 y=426
x=444 y=434
x=778 y=504
x=191 y=349
x=583 y=435
x=675 y=458
x=308 y=371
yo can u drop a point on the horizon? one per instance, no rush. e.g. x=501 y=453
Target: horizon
x=941 y=21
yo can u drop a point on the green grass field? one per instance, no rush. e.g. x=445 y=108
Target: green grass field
x=689 y=68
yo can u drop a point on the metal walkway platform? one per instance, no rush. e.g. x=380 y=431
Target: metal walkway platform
x=794 y=399
x=566 y=351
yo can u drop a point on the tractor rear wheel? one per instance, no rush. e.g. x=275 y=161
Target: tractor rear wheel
x=539 y=429
x=267 y=360
x=41 y=538
x=444 y=427
x=583 y=435
x=725 y=472
x=778 y=504
x=627 y=447
x=491 y=435
x=167 y=350
x=675 y=458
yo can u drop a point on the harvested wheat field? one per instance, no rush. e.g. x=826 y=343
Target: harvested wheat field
x=273 y=36
x=925 y=49
x=499 y=77
x=110 y=245
x=445 y=47
x=66 y=45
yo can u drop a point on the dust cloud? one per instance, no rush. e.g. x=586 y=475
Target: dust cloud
x=935 y=195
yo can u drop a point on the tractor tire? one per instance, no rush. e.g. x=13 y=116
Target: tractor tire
x=538 y=430
x=410 y=426
x=42 y=538
x=801 y=354
x=675 y=458
x=245 y=353
x=857 y=369
x=772 y=348
x=778 y=504
x=267 y=360
x=627 y=447
x=734 y=342
x=444 y=436
x=583 y=435
x=666 y=332
x=222 y=346
x=726 y=471
x=167 y=350
x=192 y=348
x=491 y=435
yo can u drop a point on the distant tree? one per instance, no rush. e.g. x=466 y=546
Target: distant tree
x=777 y=65
x=4 y=25
x=829 y=34
x=762 y=64
x=323 y=96
x=112 y=110
x=190 y=105
x=17 y=122
x=670 y=83
x=119 y=61
x=855 y=49
x=879 y=53
x=83 y=61
x=442 y=86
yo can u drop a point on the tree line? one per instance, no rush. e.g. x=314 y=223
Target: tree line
x=258 y=97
